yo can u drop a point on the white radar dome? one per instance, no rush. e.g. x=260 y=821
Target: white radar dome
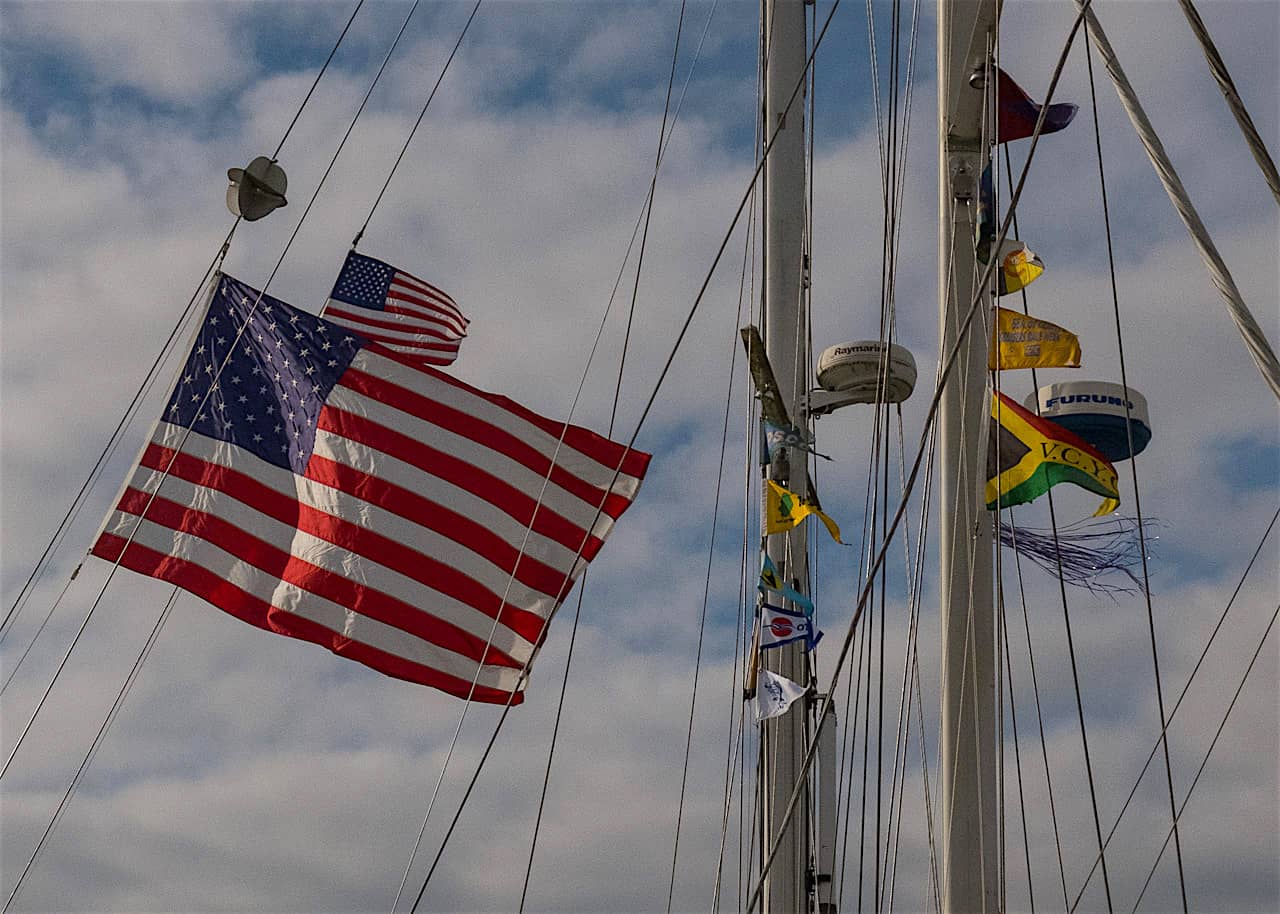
x=855 y=369
x=1096 y=410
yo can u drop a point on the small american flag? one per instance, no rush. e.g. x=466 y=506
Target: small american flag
x=396 y=309
x=325 y=487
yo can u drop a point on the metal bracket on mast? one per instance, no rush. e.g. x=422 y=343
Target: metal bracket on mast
x=963 y=169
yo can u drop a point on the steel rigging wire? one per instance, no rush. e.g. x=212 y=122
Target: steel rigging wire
x=213 y=385
x=1218 y=68
x=1205 y=761
x=1017 y=754
x=1066 y=612
x=115 y=565
x=1254 y=339
x=1133 y=469
x=1222 y=618
x=742 y=638
x=59 y=532
x=572 y=409
x=946 y=367
x=1017 y=558
x=653 y=396
x=647 y=211
x=1035 y=691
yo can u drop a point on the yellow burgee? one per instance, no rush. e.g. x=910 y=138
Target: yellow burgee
x=1019 y=267
x=1028 y=342
x=785 y=509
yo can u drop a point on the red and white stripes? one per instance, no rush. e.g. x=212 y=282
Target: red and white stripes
x=417 y=319
x=424 y=503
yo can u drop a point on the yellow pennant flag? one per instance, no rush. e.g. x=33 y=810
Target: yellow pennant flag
x=1028 y=342
x=1019 y=267
x=785 y=509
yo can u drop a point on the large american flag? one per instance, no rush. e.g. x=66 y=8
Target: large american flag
x=397 y=309
x=333 y=490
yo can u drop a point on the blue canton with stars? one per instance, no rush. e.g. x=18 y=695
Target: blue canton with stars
x=269 y=394
x=364 y=282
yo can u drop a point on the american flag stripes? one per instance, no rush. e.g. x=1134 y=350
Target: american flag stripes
x=334 y=490
x=398 y=310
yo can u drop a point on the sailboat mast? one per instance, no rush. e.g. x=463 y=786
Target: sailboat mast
x=968 y=753
x=786 y=343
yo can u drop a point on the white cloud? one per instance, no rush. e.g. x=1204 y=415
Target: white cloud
x=172 y=52
x=258 y=773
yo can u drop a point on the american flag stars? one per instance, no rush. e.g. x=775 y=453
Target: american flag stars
x=277 y=344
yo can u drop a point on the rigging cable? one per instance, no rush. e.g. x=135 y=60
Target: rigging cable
x=870 y=507
x=702 y=618
x=882 y=417
x=217 y=260
x=1035 y=692
x=1026 y=619
x=1017 y=755
x=164 y=616
x=893 y=239
x=315 y=82
x=1133 y=468
x=1177 y=704
x=40 y=630
x=737 y=702
x=113 y=441
x=915 y=689
x=1254 y=338
x=915 y=590
x=653 y=396
x=559 y=445
x=851 y=736
x=416 y=124
x=647 y=211
x=112 y=714
x=1218 y=68
x=1173 y=829
x=149 y=378
x=948 y=363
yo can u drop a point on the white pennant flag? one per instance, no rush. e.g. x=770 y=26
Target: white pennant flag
x=775 y=694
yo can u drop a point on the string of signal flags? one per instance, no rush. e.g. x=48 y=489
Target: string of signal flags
x=1028 y=454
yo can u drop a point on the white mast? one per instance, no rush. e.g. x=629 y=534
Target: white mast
x=968 y=752
x=786 y=344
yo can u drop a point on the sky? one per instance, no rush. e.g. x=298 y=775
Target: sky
x=253 y=773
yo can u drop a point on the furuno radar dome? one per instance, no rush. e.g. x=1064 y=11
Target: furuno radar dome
x=1095 y=410
x=853 y=373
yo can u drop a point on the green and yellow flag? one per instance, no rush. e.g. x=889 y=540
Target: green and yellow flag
x=785 y=509
x=1028 y=455
x=1019 y=341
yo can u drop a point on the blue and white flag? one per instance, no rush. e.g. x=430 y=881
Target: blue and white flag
x=775 y=695
x=780 y=436
x=780 y=626
x=771 y=580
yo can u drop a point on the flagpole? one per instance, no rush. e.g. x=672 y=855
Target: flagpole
x=968 y=751
x=786 y=343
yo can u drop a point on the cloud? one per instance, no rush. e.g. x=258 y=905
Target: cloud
x=258 y=773
x=177 y=53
